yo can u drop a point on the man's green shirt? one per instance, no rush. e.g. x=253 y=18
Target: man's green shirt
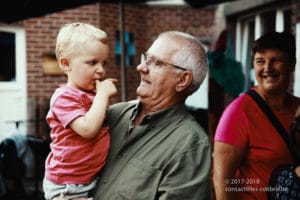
x=168 y=156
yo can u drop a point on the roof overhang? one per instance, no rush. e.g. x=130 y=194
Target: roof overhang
x=15 y=10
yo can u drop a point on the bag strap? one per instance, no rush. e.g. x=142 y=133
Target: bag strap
x=269 y=113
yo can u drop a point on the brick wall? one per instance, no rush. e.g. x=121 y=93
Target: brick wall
x=40 y=39
x=145 y=22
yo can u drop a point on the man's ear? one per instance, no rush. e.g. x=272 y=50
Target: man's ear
x=184 y=81
x=64 y=64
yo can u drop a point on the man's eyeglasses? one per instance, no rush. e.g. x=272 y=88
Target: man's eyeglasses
x=152 y=61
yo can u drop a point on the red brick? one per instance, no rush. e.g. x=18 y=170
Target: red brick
x=144 y=21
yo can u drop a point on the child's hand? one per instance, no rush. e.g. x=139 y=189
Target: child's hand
x=106 y=86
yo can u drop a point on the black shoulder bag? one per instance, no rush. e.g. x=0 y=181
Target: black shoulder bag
x=283 y=183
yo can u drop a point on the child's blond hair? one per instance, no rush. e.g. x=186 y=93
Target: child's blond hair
x=74 y=35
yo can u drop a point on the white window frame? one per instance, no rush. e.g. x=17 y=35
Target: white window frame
x=20 y=59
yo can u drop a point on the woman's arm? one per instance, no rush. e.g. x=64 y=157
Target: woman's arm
x=226 y=160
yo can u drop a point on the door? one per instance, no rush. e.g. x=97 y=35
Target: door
x=13 y=95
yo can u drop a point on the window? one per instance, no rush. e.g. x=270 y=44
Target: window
x=8 y=56
x=12 y=59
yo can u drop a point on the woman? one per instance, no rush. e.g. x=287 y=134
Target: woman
x=247 y=147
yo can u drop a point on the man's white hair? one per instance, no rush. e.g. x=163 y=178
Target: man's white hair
x=192 y=57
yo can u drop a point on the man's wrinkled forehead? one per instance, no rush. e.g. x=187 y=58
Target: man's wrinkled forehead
x=164 y=46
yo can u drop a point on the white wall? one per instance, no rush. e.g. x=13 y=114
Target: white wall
x=199 y=99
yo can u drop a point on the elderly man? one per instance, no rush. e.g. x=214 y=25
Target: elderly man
x=158 y=150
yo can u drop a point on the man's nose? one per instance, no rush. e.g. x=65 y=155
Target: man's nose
x=142 y=67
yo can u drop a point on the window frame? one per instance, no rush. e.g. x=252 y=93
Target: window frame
x=20 y=59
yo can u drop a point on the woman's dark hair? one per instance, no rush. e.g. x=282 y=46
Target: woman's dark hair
x=283 y=41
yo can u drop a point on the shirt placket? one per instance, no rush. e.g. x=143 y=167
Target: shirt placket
x=124 y=153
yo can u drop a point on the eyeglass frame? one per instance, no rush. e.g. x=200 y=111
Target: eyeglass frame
x=155 y=61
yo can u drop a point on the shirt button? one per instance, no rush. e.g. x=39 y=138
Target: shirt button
x=105 y=181
x=120 y=156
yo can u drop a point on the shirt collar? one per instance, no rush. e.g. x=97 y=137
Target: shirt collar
x=166 y=112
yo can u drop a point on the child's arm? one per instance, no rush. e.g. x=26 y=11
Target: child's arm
x=89 y=124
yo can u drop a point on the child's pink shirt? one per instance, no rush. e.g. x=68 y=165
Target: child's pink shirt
x=73 y=159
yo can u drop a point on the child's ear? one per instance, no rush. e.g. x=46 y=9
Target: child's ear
x=64 y=64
